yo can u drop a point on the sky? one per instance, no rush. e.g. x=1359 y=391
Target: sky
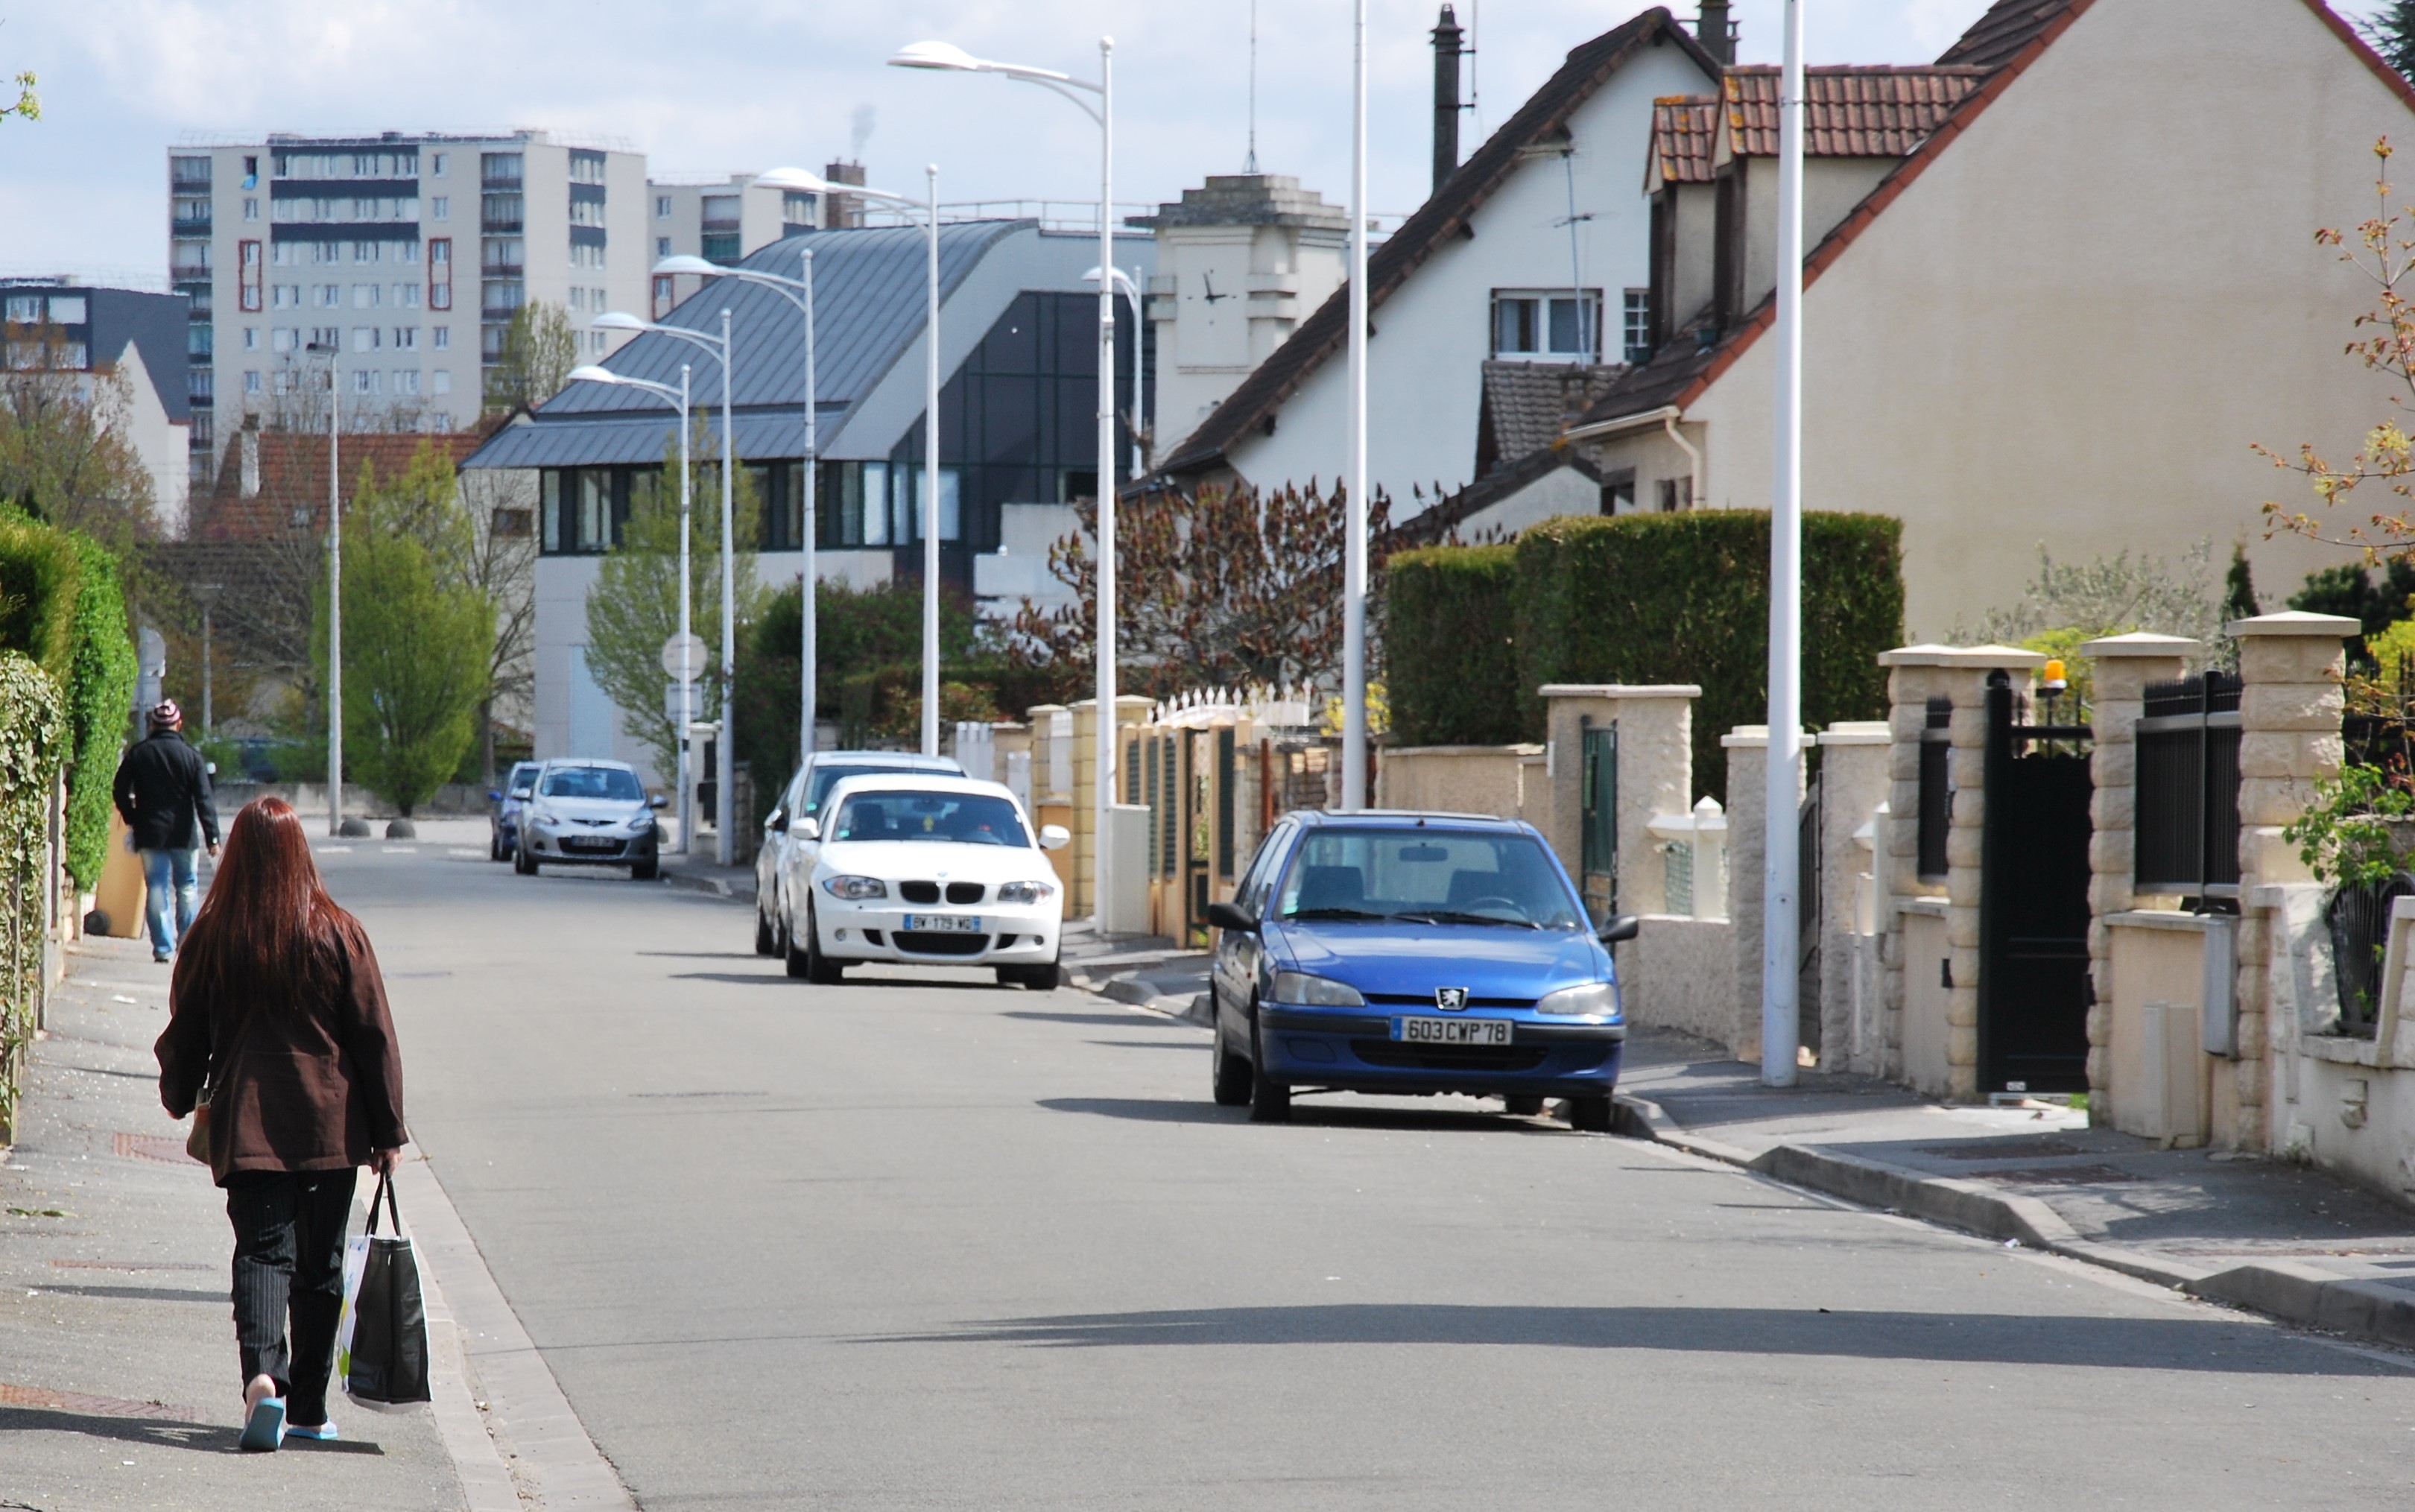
x=710 y=86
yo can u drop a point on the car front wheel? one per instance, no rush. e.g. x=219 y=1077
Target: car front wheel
x=1230 y=1081
x=1269 y=1099
x=523 y=860
x=765 y=943
x=1589 y=1115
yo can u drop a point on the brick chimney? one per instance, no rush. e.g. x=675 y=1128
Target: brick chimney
x=842 y=209
x=1447 y=36
x=1716 y=32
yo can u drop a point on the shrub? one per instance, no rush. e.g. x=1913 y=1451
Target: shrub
x=31 y=743
x=100 y=683
x=1656 y=598
x=1453 y=678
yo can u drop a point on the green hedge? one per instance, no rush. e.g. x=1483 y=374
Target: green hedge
x=1453 y=678
x=31 y=743
x=1646 y=598
x=100 y=686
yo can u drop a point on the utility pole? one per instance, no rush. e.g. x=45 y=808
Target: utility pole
x=1781 y=960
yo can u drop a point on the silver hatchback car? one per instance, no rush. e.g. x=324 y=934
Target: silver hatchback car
x=582 y=812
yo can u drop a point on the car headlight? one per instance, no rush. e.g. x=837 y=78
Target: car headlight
x=643 y=822
x=1595 y=997
x=540 y=815
x=1315 y=991
x=1027 y=891
x=855 y=889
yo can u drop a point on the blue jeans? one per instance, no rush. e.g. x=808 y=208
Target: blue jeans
x=163 y=870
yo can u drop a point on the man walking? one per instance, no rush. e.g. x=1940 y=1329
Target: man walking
x=163 y=793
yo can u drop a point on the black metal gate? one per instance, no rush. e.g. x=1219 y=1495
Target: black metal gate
x=1597 y=801
x=1807 y=919
x=2034 y=982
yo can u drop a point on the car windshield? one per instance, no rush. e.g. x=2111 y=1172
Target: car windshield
x=826 y=778
x=967 y=818
x=610 y=783
x=1437 y=877
x=522 y=782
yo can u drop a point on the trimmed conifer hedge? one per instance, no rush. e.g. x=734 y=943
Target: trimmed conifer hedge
x=1455 y=681
x=1641 y=599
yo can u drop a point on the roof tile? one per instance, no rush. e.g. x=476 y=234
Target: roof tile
x=1683 y=136
x=1881 y=112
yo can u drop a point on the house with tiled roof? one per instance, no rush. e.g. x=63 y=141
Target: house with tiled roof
x=2059 y=282
x=1535 y=252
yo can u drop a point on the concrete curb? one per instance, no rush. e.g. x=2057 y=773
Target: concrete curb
x=2286 y=1290
x=711 y=887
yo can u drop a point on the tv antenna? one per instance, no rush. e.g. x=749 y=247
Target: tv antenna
x=1250 y=163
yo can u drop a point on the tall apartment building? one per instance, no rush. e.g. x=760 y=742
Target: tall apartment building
x=401 y=255
x=725 y=219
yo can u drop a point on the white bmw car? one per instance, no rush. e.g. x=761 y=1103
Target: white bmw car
x=917 y=868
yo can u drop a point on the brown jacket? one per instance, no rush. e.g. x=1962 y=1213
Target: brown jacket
x=312 y=1090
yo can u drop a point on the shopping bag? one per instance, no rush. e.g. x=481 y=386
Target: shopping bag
x=382 y=1334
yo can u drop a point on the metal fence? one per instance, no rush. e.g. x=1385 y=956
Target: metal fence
x=2186 y=839
x=1936 y=788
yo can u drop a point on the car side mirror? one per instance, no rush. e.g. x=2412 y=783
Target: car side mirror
x=658 y=802
x=809 y=828
x=1620 y=927
x=1232 y=915
x=494 y=795
x=1055 y=837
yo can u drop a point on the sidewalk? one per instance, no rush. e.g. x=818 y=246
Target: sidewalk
x=118 y=1382
x=1146 y=970
x=2283 y=1239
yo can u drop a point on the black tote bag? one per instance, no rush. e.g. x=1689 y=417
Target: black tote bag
x=386 y=1360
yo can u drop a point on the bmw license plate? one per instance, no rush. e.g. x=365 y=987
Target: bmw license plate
x=1451 y=1031
x=944 y=923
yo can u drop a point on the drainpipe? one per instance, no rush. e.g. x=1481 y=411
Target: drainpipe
x=1693 y=458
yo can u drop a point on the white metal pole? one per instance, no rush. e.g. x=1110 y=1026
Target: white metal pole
x=808 y=689
x=335 y=604
x=1103 y=784
x=1139 y=346
x=725 y=816
x=1780 y=957
x=687 y=659
x=1354 y=583
x=931 y=481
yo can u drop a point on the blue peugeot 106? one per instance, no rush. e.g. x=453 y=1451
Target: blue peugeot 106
x=1412 y=955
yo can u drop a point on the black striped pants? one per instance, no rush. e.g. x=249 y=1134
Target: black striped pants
x=289 y=1255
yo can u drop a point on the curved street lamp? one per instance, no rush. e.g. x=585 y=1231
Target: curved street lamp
x=679 y=396
x=725 y=768
x=946 y=57
x=800 y=292
x=798 y=181
x=1131 y=292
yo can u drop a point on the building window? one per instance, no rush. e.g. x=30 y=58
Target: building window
x=364 y=339
x=662 y=207
x=440 y=382
x=721 y=247
x=586 y=211
x=1547 y=325
x=662 y=247
x=367 y=296
x=1637 y=327
x=197 y=343
x=437 y=163
x=365 y=381
x=441 y=338
x=406 y=296
x=578 y=297
x=441 y=207
x=406 y=338
x=188 y=173
x=1618 y=492
x=252 y=381
x=664 y=297
x=251 y=338
x=406 y=381
x=440 y=273
x=798 y=207
x=1676 y=494
x=281 y=340
x=586 y=166
x=250 y=209
x=251 y=270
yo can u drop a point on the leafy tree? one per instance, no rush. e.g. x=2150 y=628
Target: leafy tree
x=64 y=452
x=1217 y=588
x=634 y=605
x=2239 y=587
x=418 y=635
x=874 y=633
x=539 y=350
x=2392 y=31
x=2112 y=596
x=28 y=105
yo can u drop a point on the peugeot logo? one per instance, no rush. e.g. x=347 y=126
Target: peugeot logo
x=1450 y=999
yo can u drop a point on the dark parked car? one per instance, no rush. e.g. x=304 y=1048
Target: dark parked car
x=504 y=805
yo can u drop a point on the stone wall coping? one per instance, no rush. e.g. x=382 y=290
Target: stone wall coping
x=1620 y=690
x=1857 y=732
x=1752 y=738
x=1463 y=750
x=2140 y=643
x=2344 y=1049
x=2162 y=919
x=1931 y=907
x=2295 y=623
x=1985 y=658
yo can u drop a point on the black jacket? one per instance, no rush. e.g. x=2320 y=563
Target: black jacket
x=162 y=789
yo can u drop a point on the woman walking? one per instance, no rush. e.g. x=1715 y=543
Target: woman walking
x=278 y=1009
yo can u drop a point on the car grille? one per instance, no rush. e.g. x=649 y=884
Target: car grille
x=1007 y=942
x=871 y=935
x=1427 y=1000
x=1392 y=1054
x=939 y=942
x=964 y=893
x=919 y=891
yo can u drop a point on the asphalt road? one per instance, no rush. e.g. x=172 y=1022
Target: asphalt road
x=917 y=1243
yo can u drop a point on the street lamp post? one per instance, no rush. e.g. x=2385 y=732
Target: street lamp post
x=1354 y=568
x=800 y=292
x=1130 y=290
x=1782 y=1025
x=725 y=770
x=335 y=599
x=947 y=57
x=798 y=181
x=687 y=663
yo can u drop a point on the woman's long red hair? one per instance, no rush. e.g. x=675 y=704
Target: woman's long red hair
x=267 y=927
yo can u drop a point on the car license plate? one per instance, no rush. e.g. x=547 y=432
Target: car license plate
x=1451 y=1031
x=944 y=923
x=589 y=843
